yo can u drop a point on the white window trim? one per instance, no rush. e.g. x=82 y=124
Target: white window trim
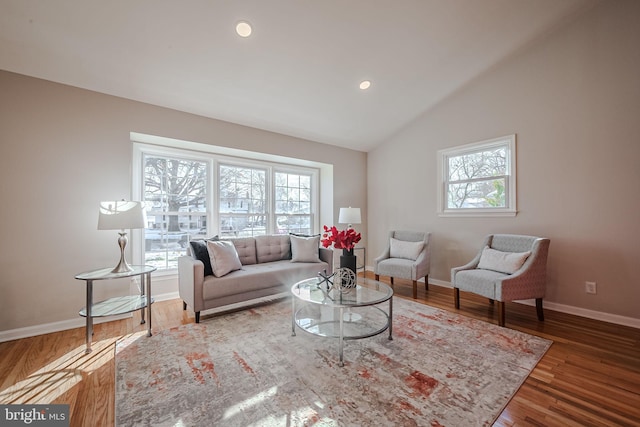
x=444 y=154
x=149 y=144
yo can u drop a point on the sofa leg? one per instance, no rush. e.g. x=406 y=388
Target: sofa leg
x=426 y=282
x=539 y=309
x=391 y=281
x=415 y=289
x=456 y=297
x=184 y=305
x=377 y=277
x=501 y=313
x=491 y=301
x=197 y=317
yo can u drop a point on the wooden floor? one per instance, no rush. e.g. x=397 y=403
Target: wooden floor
x=589 y=377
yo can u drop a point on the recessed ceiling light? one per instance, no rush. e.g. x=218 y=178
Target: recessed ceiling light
x=365 y=84
x=243 y=28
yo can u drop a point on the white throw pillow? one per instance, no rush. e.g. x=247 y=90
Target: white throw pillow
x=224 y=257
x=403 y=249
x=305 y=249
x=503 y=262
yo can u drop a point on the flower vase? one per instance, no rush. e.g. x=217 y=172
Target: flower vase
x=348 y=260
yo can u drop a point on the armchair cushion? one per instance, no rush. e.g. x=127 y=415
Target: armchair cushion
x=503 y=262
x=224 y=257
x=404 y=249
x=482 y=282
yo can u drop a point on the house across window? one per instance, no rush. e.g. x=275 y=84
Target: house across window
x=478 y=179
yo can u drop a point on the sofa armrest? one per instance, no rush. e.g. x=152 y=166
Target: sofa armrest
x=326 y=255
x=190 y=282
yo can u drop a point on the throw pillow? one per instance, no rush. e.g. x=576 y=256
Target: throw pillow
x=406 y=250
x=502 y=262
x=224 y=257
x=305 y=249
x=200 y=252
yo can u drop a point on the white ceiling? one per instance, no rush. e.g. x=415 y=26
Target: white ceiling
x=298 y=74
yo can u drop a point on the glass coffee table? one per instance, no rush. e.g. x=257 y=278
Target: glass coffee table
x=349 y=315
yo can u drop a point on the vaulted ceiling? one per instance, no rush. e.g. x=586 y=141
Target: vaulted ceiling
x=297 y=74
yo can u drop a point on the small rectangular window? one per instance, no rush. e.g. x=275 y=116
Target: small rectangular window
x=478 y=179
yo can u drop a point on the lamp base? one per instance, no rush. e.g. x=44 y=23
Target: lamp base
x=122 y=266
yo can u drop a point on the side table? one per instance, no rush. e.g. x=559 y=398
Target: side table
x=117 y=305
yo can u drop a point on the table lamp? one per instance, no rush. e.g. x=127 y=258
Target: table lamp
x=349 y=216
x=121 y=215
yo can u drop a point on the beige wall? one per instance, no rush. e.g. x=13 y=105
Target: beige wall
x=573 y=99
x=64 y=149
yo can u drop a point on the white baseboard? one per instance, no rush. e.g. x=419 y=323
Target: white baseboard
x=568 y=309
x=63 y=325
x=589 y=314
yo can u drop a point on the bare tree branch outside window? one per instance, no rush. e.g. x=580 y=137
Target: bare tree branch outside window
x=175 y=203
x=477 y=180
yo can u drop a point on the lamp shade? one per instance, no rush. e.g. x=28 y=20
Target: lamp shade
x=121 y=215
x=349 y=216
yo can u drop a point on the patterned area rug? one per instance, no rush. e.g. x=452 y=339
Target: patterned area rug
x=246 y=369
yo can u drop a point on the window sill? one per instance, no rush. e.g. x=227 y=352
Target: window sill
x=477 y=214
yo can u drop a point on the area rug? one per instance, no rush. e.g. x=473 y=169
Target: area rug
x=246 y=369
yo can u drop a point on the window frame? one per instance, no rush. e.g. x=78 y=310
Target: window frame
x=507 y=141
x=215 y=160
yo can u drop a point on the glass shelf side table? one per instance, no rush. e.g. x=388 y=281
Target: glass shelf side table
x=117 y=305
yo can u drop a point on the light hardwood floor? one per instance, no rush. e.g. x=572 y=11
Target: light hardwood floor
x=589 y=377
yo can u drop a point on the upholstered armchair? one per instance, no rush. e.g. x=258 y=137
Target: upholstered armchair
x=507 y=268
x=406 y=256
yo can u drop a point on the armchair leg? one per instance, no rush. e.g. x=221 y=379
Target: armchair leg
x=456 y=298
x=415 y=289
x=391 y=281
x=426 y=282
x=501 y=313
x=184 y=305
x=539 y=309
x=377 y=277
x=197 y=317
x=491 y=301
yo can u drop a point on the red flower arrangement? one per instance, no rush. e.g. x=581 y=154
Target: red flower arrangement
x=345 y=239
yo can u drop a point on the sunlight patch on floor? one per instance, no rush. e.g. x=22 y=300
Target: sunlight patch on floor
x=59 y=376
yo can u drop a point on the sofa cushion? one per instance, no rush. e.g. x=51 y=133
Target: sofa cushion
x=199 y=251
x=503 y=262
x=252 y=278
x=223 y=256
x=305 y=249
x=271 y=248
x=404 y=249
x=246 y=248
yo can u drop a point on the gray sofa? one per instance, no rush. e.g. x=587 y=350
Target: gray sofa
x=267 y=269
